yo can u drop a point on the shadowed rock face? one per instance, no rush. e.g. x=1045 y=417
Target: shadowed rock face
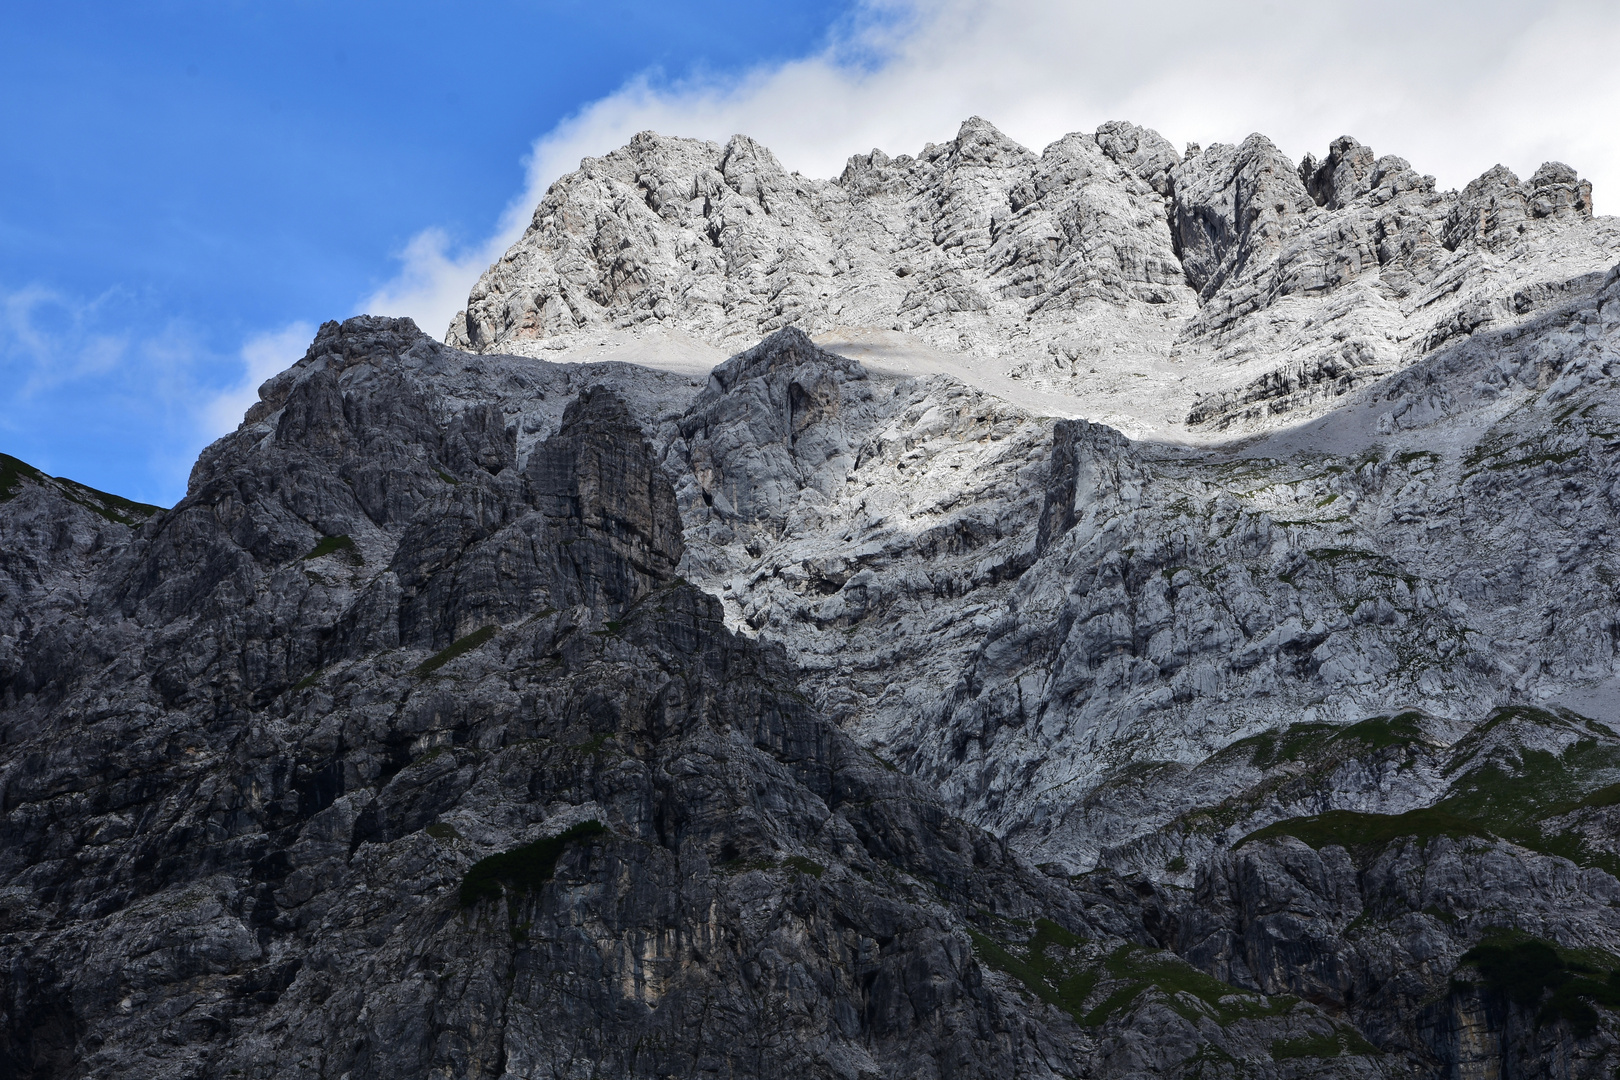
x=772 y=422
x=596 y=481
x=239 y=798
x=246 y=775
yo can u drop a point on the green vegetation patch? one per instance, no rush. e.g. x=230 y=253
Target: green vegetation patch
x=454 y=649
x=1532 y=972
x=1514 y=795
x=1292 y=744
x=523 y=869
x=1327 y=1045
x=743 y=865
x=431 y=755
x=112 y=507
x=797 y=863
x=1494 y=446
x=15 y=470
x=1052 y=966
x=805 y=866
x=1470 y=743
x=1603 y=796
x=1513 y=799
x=1380 y=731
x=1546 y=458
x=593 y=745
x=330 y=545
x=1190 y=992
x=1333 y=555
x=1299 y=755
x=1511 y=795
x=1363 y=833
x=883 y=762
x=1332 y=742
x=1045 y=968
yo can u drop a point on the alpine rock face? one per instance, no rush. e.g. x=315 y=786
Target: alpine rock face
x=1105 y=612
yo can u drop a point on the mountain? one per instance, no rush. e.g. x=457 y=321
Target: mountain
x=1237 y=286
x=1109 y=612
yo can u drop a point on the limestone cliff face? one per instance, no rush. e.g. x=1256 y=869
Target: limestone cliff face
x=1239 y=288
x=872 y=711
x=722 y=240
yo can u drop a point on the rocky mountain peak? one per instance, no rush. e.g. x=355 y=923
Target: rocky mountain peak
x=1104 y=612
x=1233 y=204
x=980 y=143
x=1142 y=150
x=1496 y=209
x=1206 y=278
x=1344 y=175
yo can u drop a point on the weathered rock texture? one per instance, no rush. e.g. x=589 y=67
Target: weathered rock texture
x=244 y=779
x=832 y=721
x=1195 y=296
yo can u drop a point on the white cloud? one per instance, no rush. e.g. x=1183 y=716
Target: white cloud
x=432 y=284
x=262 y=356
x=70 y=385
x=71 y=392
x=1454 y=86
x=46 y=341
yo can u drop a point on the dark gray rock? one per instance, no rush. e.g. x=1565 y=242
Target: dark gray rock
x=240 y=801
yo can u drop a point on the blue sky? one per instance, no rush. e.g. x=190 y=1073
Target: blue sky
x=188 y=188
x=180 y=177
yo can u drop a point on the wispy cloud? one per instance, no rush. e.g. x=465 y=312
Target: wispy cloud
x=1454 y=86
x=262 y=356
x=47 y=340
x=70 y=389
x=432 y=283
